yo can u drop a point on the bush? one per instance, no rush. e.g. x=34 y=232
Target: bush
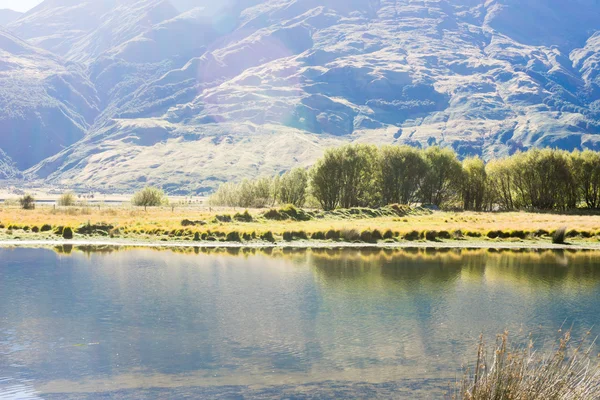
x=444 y=235
x=349 y=235
x=318 y=236
x=431 y=236
x=27 y=202
x=149 y=197
x=244 y=217
x=411 y=236
x=333 y=235
x=388 y=234
x=288 y=236
x=559 y=236
x=223 y=218
x=46 y=228
x=268 y=237
x=233 y=237
x=196 y=237
x=35 y=229
x=377 y=236
x=366 y=236
x=67 y=233
x=518 y=234
x=66 y=200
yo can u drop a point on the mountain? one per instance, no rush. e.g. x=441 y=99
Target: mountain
x=7 y=16
x=187 y=94
x=46 y=104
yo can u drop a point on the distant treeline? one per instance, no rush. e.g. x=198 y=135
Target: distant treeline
x=369 y=176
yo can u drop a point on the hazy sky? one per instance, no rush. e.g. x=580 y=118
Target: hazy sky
x=19 y=5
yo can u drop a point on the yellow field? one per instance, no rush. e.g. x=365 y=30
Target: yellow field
x=130 y=222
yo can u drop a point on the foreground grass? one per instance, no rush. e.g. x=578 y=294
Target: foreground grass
x=359 y=225
x=569 y=372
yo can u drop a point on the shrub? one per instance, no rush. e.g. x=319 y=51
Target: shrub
x=377 y=236
x=149 y=197
x=300 y=235
x=444 y=235
x=366 y=236
x=67 y=233
x=223 y=218
x=196 y=237
x=66 y=200
x=388 y=234
x=349 y=235
x=59 y=230
x=233 y=237
x=244 y=217
x=431 y=236
x=333 y=235
x=318 y=236
x=46 y=228
x=35 y=229
x=27 y=202
x=494 y=234
x=288 y=236
x=519 y=234
x=268 y=237
x=411 y=236
x=457 y=234
x=559 y=236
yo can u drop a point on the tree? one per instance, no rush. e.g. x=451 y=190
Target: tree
x=442 y=181
x=149 y=197
x=66 y=199
x=360 y=176
x=292 y=187
x=326 y=179
x=27 y=202
x=263 y=192
x=586 y=171
x=474 y=184
x=501 y=184
x=227 y=195
x=402 y=172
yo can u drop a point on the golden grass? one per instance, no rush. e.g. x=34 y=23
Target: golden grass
x=136 y=221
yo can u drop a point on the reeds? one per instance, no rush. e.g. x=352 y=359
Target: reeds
x=569 y=372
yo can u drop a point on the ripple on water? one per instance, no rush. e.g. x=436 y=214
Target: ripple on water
x=12 y=389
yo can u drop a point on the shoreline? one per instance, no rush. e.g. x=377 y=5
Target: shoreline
x=303 y=244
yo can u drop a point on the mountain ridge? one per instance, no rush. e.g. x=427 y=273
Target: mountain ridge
x=210 y=89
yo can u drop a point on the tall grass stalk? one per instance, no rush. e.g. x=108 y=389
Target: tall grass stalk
x=569 y=372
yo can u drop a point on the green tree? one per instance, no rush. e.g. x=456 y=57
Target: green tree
x=360 y=176
x=442 y=182
x=474 y=184
x=149 y=197
x=501 y=184
x=402 y=172
x=586 y=170
x=293 y=186
x=326 y=179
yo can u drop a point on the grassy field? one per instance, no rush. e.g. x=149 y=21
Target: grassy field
x=199 y=223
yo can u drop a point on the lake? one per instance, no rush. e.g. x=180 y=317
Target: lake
x=230 y=324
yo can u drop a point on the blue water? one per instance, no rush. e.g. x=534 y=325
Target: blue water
x=146 y=324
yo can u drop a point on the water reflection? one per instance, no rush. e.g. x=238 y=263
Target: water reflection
x=77 y=321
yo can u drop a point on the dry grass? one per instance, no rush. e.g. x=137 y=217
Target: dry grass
x=164 y=220
x=570 y=372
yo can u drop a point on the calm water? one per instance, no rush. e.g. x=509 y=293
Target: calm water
x=146 y=324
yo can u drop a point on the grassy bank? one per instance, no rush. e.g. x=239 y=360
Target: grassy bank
x=394 y=224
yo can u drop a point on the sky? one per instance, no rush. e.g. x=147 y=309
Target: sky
x=19 y=5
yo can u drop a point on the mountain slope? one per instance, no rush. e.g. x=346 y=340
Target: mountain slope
x=46 y=105
x=7 y=16
x=195 y=93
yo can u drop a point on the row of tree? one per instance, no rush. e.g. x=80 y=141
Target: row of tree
x=370 y=176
